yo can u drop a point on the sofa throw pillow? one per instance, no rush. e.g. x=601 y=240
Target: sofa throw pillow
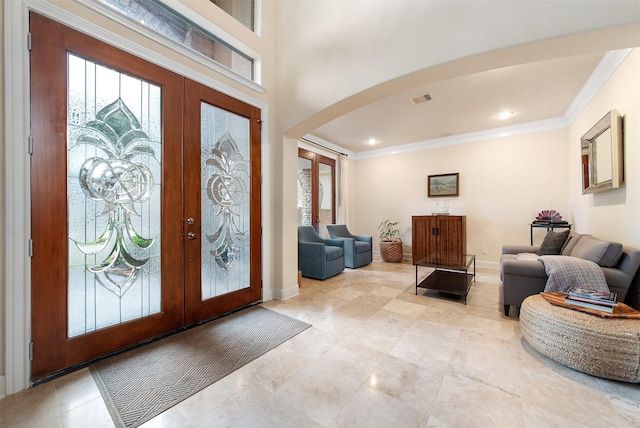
x=572 y=241
x=605 y=254
x=612 y=256
x=553 y=243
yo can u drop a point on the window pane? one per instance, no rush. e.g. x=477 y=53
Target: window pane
x=113 y=192
x=160 y=18
x=225 y=201
x=241 y=10
x=325 y=195
x=304 y=192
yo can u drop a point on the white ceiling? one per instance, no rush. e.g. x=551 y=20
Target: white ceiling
x=533 y=92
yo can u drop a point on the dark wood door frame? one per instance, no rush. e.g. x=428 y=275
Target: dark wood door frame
x=316 y=159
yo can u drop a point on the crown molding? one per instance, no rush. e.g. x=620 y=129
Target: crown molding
x=471 y=137
x=603 y=71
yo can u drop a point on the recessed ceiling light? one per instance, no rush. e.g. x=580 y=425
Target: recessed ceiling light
x=371 y=141
x=505 y=115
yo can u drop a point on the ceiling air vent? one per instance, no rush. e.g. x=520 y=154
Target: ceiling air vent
x=422 y=98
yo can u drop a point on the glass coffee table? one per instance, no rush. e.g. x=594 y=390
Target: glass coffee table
x=450 y=273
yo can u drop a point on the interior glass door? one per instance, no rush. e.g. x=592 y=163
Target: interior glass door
x=326 y=192
x=306 y=200
x=316 y=191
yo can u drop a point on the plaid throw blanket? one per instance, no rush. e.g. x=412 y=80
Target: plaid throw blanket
x=566 y=272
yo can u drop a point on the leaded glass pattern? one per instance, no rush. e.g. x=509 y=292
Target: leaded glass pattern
x=114 y=181
x=226 y=201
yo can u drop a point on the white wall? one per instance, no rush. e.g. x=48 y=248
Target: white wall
x=504 y=184
x=613 y=214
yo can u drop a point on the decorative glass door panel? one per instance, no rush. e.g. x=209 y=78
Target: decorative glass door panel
x=226 y=202
x=114 y=196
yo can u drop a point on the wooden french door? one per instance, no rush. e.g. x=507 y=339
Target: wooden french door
x=145 y=212
x=316 y=190
x=223 y=272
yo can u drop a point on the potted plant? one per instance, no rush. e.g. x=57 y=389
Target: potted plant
x=390 y=242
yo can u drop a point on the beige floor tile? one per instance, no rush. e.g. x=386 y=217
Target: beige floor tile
x=356 y=310
x=489 y=359
x=171 y=418
x=492 y=407
x=382 y=331
x=441 y=315
x=413 y=310
x=345 y=293
x=622 y=390
x=222 y=403
x=76 y=389
x=376 y=355
x=320 y=391
x=34 y=407
x=332 y=328
x=275 y=413
x=352 y=359
x=277 y=367
x=370 y=408
x=629 y=413
x=560 y=393
x=410 y=383
x=387 y=292
x=424 y=350
x=489 y=327
x=92 y=414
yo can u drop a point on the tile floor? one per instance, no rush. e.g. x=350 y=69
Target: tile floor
x=376 y=356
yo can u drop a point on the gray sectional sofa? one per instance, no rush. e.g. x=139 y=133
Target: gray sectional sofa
x=523 y=275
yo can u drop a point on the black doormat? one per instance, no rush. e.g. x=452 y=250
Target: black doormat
x=144 y=382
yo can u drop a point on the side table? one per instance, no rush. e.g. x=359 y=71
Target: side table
x=549 y=226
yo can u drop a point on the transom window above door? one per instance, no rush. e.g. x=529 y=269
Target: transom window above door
x=162 y=20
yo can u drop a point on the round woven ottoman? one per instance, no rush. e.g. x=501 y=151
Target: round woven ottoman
x=603 y=347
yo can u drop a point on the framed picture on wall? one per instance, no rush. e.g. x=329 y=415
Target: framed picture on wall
x=443 y=185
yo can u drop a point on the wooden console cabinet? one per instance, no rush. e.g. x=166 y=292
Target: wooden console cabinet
x=438 y=233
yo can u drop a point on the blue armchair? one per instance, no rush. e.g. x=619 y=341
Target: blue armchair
x=319 y=258
x=358 y=249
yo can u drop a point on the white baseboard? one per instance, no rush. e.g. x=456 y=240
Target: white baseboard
x=285 y=293
x=3 y=389
x=487 y=264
